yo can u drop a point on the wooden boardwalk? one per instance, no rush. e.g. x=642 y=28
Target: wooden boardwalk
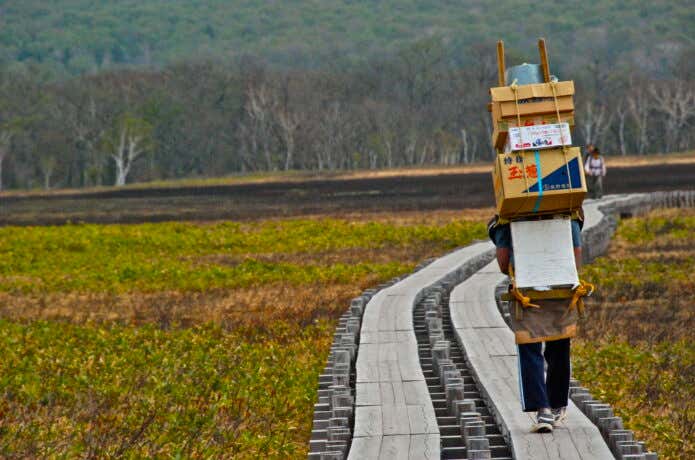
x=394 y=415
x=489 y=346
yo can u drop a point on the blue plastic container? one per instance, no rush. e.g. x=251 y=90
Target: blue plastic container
x=524 y=74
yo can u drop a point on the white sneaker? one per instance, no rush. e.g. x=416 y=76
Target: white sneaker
x=544 y=422
x=560 y=415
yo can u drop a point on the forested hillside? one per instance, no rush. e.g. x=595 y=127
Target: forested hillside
x=104 y=92
x=74 y=36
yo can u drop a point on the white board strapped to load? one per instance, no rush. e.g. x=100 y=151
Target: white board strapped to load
x=543 y=254
x=536 y=171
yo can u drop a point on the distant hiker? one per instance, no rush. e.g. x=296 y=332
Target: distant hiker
x=543 y=392
x=595 y=168
x=589 y=148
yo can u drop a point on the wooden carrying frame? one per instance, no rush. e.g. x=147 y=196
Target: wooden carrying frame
x=541 y=51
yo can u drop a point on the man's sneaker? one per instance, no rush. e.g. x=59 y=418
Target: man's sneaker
x=544 y=422
x=560 y=414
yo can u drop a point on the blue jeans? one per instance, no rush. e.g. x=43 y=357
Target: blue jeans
x=538 y=390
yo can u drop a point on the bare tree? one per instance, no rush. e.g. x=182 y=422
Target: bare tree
x=258 y=126
x=638 y=106
x=594 y=122
x=330 y=136
x=47 y=164
x=676 y=101
x=132 y=140
x=621 y=113
x=5 y=142
x=464 y=146
x=288 y=123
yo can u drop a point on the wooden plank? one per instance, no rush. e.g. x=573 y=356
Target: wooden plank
x=370 y=318
x=367 y=367
x=366 y=448
x=394 y=419
x=392 y=396
x=416 y=393
x=472 y=348
x=403 y=306
x=367 y=394
x=387 y=337
x=589 y=443
x=389 y=370
x=387 y=313
x=408 y=362
x=368 y=421
x=529 y=446
x=559 y=444
x=498 y=341
x=424 y=447
x=392 y=393
x=422 y=419
x=493 y=357
x=394 y=447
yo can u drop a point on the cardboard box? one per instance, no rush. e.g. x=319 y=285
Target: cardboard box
x=528 y=182
x=538 y=137
x=535 y=102
x=536 y=90
x=501 y=128
x=544 y=254
x=537 y=107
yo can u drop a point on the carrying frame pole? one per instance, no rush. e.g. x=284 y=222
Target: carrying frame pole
x=500 y=63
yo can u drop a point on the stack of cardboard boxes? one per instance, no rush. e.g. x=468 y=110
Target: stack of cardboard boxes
x=536 y=170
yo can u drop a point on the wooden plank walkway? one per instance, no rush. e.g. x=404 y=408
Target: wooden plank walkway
x=394 y=415
x=489 y=346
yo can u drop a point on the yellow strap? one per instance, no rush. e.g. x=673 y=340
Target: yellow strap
x=583 y=290
x=515 y=88
x=523 y=300
x=553 y=87
x=543 y=295
x=518 y=295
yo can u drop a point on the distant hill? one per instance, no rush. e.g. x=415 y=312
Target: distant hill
x=76 y=36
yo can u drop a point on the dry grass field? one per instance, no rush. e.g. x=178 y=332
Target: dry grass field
x=205 y=340
x=637 y=346
x=187 y=340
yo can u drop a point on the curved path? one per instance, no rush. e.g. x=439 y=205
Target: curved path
x=393 y=386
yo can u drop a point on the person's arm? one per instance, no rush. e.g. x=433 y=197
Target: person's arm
x=577 y=243
x=603 y=166
x=503 y=260
x=501 y=236
x=587 y=167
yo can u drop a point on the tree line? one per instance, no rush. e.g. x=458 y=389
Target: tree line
x=205 y=118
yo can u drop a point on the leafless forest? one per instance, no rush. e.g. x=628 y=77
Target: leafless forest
x=210 y=118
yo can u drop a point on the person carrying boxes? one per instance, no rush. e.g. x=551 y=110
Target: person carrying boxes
x=539 y=189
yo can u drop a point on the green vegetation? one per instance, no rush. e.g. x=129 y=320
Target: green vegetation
x=239 y=383
x=114 y=392
x=637 y=352
x=154 y=257
x=81 y=35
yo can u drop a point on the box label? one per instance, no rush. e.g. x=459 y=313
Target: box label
x=539 y=136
